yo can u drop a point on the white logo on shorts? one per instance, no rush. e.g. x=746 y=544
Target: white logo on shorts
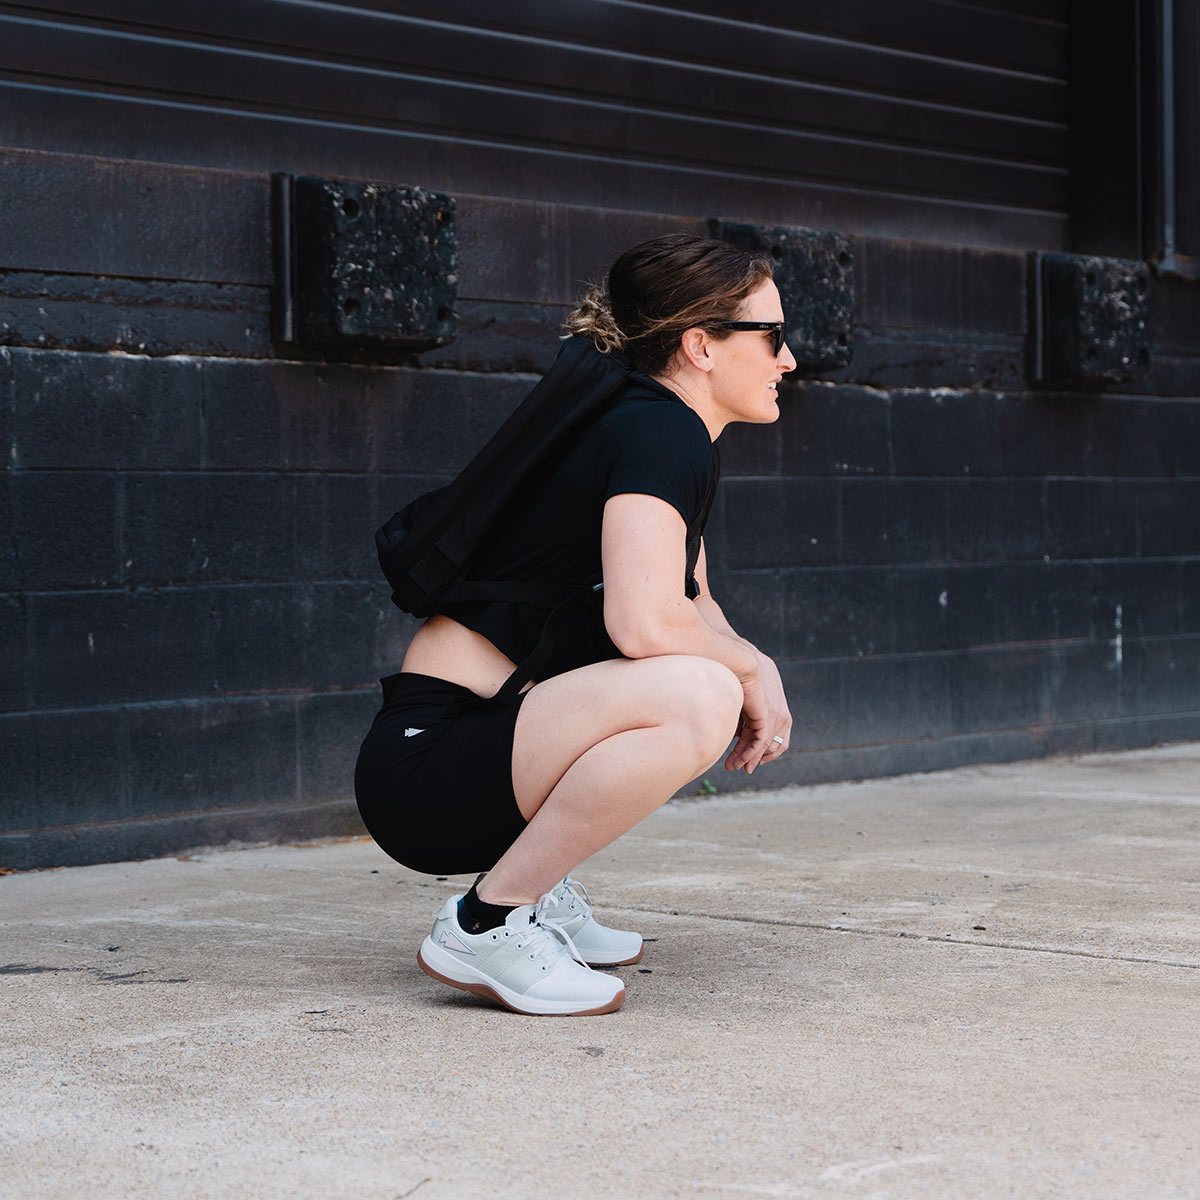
x=411 y=732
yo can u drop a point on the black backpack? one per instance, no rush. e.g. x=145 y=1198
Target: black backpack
x=426 y=548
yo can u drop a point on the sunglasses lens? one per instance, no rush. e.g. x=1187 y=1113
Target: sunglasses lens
x=779 y=333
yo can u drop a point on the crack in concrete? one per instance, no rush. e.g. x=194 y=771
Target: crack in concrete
x=916 y=937
x=101 y=976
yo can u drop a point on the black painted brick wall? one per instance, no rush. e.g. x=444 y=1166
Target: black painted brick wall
x=975 y=591
x=949 y=568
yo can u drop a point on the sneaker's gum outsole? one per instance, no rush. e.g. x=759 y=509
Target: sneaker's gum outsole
x=625 y=962
x=482 y=989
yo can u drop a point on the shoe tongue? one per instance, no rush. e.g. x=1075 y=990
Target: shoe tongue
x=521 y=917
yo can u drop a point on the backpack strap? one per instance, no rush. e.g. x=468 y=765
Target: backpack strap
x=530 y=667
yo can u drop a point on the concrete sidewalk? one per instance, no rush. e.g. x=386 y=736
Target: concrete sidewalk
x=981 y=983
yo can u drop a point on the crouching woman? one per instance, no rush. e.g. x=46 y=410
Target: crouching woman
x=647 y=685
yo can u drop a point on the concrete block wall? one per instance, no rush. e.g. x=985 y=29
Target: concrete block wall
x=950 y=568
x=193 y=607
x=998 y=576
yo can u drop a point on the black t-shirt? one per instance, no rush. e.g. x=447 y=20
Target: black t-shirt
x=646 y=441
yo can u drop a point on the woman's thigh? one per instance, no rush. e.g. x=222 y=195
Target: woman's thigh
x=564 y=717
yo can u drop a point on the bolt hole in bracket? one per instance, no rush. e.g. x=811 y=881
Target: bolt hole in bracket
x=362 y=264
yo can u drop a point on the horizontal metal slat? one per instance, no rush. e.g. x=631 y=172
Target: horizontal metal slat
x=790 y=46
x=442 y=51
x=276 y=83
x=1029 y=37
x=198 y=136
x=930 y=27
x=485 y=46
x=1057 y=11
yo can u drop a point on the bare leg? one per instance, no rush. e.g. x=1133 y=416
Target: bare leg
x=598 y=749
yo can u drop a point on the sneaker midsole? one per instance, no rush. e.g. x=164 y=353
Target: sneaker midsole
x=452 y=967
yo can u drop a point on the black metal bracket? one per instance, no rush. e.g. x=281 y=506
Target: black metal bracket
x=1088 y=320
x=362 y=264
x=814 y=274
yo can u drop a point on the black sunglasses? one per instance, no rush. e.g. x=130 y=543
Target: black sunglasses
x=776 y=327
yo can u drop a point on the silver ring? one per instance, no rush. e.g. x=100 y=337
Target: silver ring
x=778 y=739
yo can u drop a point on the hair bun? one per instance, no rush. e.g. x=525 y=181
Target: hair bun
x=593 y=319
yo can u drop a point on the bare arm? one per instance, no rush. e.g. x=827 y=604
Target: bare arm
x=709 y=608
x=780 y=718
x=644 y=552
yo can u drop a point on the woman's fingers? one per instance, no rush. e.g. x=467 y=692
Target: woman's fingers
x=751 y=746
x=753 y=736
x=760 y=741
x=765 y=729
x=778 y=724
x=743 y=746
x=781 y=736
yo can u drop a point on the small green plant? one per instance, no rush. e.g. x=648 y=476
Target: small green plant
x=707 y=787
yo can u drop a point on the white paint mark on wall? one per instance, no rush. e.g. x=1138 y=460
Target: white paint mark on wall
x=943 y=599
x=1117 y=641
x=91 y=645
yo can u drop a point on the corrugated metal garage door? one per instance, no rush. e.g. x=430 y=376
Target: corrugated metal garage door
x=927 y=118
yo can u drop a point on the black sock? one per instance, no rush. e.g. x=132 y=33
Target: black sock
x=478 y=916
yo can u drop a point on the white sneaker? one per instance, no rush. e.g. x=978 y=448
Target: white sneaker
x=526 y=964
x=597 y=945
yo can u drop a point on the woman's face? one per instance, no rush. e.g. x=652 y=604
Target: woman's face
x=747 y=371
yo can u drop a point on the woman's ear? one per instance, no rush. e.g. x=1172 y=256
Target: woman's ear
x=695 y=346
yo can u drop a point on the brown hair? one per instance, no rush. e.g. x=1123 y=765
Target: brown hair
x=658 y=289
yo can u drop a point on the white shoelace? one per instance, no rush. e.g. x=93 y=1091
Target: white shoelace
x=547 y=935
x=581 y=893
x=581 y=898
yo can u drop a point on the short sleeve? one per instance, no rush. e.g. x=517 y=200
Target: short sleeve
x=662 y=449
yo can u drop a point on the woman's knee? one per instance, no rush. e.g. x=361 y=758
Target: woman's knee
x=706 y=699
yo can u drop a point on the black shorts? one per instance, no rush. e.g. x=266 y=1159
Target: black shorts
x=434 y=776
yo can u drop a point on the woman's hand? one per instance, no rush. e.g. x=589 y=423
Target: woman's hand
x=765 y=718
x=780 y=717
